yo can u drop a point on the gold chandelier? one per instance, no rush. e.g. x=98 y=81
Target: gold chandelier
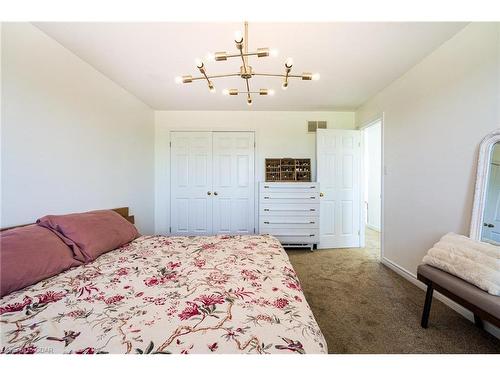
x=246 y=71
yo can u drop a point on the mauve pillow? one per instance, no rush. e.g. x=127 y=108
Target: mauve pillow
x=91 y=233
x=30 y=254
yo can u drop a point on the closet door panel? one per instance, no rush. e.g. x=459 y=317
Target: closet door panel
x=191 y=181
x=233 y=156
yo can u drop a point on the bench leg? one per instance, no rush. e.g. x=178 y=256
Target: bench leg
x=427 y=307
x=478 y=322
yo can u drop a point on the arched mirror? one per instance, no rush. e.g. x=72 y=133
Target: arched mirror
x=485 y=225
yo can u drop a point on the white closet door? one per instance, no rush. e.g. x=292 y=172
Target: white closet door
x=338 y=174
x=233 y=183
x=191 y=183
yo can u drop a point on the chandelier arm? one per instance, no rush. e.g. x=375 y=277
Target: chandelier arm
x=216 y=76
x=245 y=45
x=249 y=97
x=210 y=86
x=244 y=62
x=243 y=53
x=277 y=75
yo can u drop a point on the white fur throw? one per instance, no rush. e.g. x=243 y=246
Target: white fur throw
x=476 y=262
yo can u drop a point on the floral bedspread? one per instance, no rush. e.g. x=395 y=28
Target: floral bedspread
x=222 y=294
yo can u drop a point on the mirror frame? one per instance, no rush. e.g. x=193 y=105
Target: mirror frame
x=483 y=172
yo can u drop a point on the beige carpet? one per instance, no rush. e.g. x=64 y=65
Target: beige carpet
x=364 y=307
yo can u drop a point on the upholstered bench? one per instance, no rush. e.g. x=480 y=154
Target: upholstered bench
x=483 y=305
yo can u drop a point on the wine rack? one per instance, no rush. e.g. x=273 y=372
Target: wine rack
x=288 y=169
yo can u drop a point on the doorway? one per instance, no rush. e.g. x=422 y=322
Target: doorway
x=372 y=186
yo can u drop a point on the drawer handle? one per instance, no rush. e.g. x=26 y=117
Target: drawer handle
x=305 y=210
x=277 y=222
x=290 y=198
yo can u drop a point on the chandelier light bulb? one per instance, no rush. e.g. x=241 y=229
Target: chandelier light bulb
x=249 y=102
x=284 y=86
x=289 y=62
x=238 y=36
x=273 y=52
x=210 y=57
x=225 y=92
x=198 y=62
x=315 y=76
x=178 y=79
x=270 y=92
x=212 y=90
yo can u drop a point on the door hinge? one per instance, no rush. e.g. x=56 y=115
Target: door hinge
x=170 y=143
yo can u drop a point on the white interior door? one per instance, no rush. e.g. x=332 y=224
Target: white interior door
x=191 y=183
x=233 y=183
x=338 y=174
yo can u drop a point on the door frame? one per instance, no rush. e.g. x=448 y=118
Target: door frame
x=362 y=127
x=212 y=130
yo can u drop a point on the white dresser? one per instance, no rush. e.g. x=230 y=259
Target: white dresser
x=290 y=212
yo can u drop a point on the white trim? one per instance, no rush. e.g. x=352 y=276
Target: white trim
x=451 y=304
x=373 y=227
x=483 y=163
x=378 y=118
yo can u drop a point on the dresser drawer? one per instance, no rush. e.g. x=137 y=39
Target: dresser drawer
x=291 y=187
x=288 y=222
x=289 y=197
x=293 y=236
x=291 y=209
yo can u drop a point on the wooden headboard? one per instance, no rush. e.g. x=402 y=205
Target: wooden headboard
x=123 y=211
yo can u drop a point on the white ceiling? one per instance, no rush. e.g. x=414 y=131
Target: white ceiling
x=355 y=60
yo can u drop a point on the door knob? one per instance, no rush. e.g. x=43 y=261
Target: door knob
x=321 y=194
x=209 y=193
x=215 y=193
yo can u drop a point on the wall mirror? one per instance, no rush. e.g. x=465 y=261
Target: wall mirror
x=485 y=225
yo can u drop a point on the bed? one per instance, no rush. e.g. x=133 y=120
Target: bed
x=161 y=295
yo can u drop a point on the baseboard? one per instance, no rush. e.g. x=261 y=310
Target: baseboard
x=452 y=304
x=373 y=227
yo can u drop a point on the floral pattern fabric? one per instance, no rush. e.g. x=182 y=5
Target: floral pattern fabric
x=160 y=295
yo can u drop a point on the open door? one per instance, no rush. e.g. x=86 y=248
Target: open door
x=338 y=174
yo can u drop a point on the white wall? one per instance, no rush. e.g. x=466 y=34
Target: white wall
x=277 y=134
x=434 y=118
x=372 y=142
x=72 y=139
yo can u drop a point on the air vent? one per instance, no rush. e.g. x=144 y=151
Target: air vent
x=313 y=125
